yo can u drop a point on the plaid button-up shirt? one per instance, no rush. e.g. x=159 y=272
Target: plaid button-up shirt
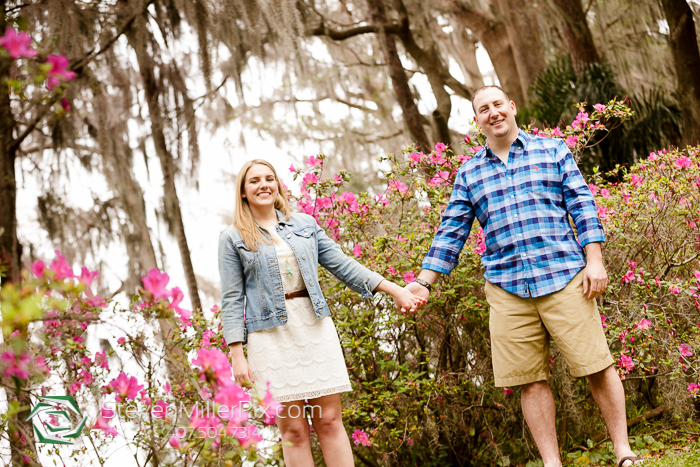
x=522 y=206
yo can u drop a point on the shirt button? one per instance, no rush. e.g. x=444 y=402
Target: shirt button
x=524 y=255
x=520 y=235
x=510 y=178
x=512 y=196
x=516 y=216
x=289 y=236
x=303 y=256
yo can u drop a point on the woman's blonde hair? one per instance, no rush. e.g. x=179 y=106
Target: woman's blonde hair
x=242 y=216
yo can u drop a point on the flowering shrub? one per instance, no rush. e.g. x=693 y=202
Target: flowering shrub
x=179 y=407
x=423 y=382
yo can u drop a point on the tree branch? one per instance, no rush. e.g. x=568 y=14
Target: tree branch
x=338 y=34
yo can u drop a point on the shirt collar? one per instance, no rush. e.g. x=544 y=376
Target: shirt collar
x=281 y=219
x=521 y=138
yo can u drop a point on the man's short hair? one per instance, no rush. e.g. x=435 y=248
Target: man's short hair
x=485 y=87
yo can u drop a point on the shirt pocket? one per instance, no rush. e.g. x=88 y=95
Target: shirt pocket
x=541 y=177
x=306 y=236
x=249 y=258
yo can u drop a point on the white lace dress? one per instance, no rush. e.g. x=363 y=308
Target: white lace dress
x=303 y=358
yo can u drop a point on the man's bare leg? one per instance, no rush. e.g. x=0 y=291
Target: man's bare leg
x=609 y=394
x=539 y=411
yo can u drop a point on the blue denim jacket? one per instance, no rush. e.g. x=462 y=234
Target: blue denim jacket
x=251 y=284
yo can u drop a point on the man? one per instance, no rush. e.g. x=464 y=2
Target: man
x=538 y=281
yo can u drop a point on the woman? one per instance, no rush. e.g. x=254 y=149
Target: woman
x=271 y=298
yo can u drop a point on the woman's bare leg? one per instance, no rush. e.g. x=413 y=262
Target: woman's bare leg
x=295 y=429
x=326 y=416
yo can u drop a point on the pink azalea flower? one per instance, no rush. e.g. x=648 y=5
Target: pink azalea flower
x=556 y=133
x=324 y=202
x=409 y=277
x=338 y=179
x=59 y=71
x=87 y=276
x=313 y=161
x=17 y=364
x=683 y=162
x=215 y=366
x=125 y=387
x=235 y=399
x=357 y=251
x=696 y=273
x=292 y=169
x=629 y=277
x=626 y=363
x=61 y=268
x=440 y=148
x=674 y=289
x=694 y=389
x=635 y=179
x=392 y=270
x=605 y=193
x=507 y=392
x=440 y=178
x=416 y=157
x=467 y=139
x=643 y=324
x=270 y=407
x=480 y=248
x=155 y=283
x=600 y=107
x=685 y=351
x=17 y=44
x=200 y=420
x=603 y=320
x=652 y=156
x=102 y=424
x=310 y=179
x=65 y=104
x=593 y=188
x=206 y=337
x=571 y=140
x=398 y=185
x=121 y=340
x=360 y=438
x=39 y=268
x=167 y=389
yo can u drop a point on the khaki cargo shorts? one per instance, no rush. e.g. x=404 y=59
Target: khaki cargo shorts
x=521 y=330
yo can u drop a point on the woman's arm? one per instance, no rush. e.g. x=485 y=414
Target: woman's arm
x=403 y=298
x=241 y=373
x=232 y=291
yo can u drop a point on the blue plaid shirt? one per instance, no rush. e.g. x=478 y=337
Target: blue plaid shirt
x=522 y=206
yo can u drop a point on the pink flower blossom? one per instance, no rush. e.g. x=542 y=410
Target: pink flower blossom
x=605 y=193
x=270 y=407
x=440 y=148
x=206 y=338
x=696 y=273
x=215 y=366
x=87 y=276
x=360 y=438
x=234 y=398
x=416 y=157
x=571 y=140
x=603 y=320
x=694 y=389
x=409 y=277
x=292 y=169
x=338 y=179
x=17 y=364
x=593 y=188
x=247 y=436
x=628 y=277
x=357 y=251
x=685 y=351
x=480 y=248
x=324 y=202
x=636 y=180
x=556 y=133
x=674 y=289
x=600 y=107
x=17 y=44
x=121 y=340
x=683 y=162
x=160 y=409
x=507 y=392
x=313 y=161
x=381 y=199
x=59 y=71
x=167 y=389
x=65 y=105
x=61 y=268
x=626 y=363
x=643 y=324
x=102 y=424
x=125 y=387
x=155 y=283
x=398 y=185
x=310 y=179
x=440 y=178
x=652 y=156
x=210 y=424
x=39 y=268
x=174 y=441
x=392 y=270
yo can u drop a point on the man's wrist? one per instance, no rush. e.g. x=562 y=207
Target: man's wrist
x=424 y=283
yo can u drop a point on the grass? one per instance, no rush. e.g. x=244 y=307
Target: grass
x=676 y=459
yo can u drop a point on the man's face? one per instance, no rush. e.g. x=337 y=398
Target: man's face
x=495 y=114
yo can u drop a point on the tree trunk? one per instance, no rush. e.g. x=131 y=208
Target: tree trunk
x=577 y=34
x=493 y=36
x=9 y=246
x=521 y=25
x=686 y=58
x=399 y=81
x=138 y=38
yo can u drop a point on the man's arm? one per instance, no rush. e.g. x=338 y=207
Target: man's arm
x=595 y=278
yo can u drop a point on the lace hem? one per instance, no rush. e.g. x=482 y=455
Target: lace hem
x=314 y=394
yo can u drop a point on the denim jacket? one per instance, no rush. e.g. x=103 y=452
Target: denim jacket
x=252 y=297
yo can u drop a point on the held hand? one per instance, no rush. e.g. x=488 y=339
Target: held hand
x=419 y=291
x=406 y=300
x=595 y=279
x=241 y=373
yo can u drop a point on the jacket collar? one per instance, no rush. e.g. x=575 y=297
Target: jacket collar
x=281 y=219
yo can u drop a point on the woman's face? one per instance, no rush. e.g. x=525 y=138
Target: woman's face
x=260 y=187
